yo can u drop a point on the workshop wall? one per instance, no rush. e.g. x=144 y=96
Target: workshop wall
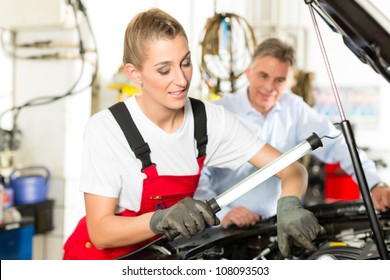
x=52 y=133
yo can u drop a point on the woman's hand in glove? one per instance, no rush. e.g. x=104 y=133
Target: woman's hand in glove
x=187 y=217
x=295 y=222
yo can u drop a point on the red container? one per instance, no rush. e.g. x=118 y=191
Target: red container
x=339 y=186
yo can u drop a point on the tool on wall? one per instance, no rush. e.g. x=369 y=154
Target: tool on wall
x=226 y=46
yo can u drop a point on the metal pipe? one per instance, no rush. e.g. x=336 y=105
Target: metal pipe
x=328 y=68
x=365 y=192
x=349 y=138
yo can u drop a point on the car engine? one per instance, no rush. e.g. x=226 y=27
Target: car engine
x=348 y=236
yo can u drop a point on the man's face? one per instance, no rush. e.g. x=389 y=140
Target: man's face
x=267 y=78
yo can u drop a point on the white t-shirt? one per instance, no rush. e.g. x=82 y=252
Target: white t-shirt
x=110 y=168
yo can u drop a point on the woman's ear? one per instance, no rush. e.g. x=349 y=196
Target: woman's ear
x=133 y=74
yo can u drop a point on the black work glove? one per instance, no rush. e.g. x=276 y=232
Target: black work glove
x=187 y=217
x=295 y=222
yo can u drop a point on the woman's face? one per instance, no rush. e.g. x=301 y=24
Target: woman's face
x=166 y=72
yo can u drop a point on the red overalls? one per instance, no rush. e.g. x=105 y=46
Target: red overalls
x=159 y=192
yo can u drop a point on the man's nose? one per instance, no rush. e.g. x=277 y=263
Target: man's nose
x=269 y=86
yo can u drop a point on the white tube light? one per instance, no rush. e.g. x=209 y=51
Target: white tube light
x=266 y=172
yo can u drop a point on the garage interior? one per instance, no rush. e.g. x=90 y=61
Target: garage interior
x=61 y=62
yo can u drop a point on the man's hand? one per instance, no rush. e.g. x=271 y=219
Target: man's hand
x=241 y=217
x=187 y=217
x=381 y=197
x=297 y=223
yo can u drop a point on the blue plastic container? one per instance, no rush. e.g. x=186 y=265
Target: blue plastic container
x=30 y=184
x=17 y=243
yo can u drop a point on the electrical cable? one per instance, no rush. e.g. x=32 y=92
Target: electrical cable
x=37 y=101
x=72 y=90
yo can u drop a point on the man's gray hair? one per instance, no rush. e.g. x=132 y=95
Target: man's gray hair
x=276 y=48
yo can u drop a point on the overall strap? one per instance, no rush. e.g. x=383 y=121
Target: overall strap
x=200 y=122
x=137 y=143
x=133 y=136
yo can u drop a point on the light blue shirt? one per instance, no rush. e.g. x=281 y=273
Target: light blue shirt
x=289 y=123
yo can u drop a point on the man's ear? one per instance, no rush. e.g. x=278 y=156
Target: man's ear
x=133 y=73
x=247 y=71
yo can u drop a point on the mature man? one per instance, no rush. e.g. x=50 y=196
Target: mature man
x=284 y=120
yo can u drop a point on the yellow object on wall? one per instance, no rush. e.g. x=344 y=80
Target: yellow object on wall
x=124 y=90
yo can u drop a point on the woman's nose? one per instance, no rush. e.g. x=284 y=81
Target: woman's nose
x=180 y=77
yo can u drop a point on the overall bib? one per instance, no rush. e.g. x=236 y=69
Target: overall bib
x=159 y=192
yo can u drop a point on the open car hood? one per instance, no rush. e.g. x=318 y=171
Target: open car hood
x=365 y=30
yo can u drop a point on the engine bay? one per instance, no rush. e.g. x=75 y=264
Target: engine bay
x=348 y=236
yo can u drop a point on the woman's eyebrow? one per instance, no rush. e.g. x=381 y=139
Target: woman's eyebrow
x=165 y=62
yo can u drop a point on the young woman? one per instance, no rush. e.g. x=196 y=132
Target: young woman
x=142 y=157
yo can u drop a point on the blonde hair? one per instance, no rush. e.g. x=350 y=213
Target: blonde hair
x=146 y=27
